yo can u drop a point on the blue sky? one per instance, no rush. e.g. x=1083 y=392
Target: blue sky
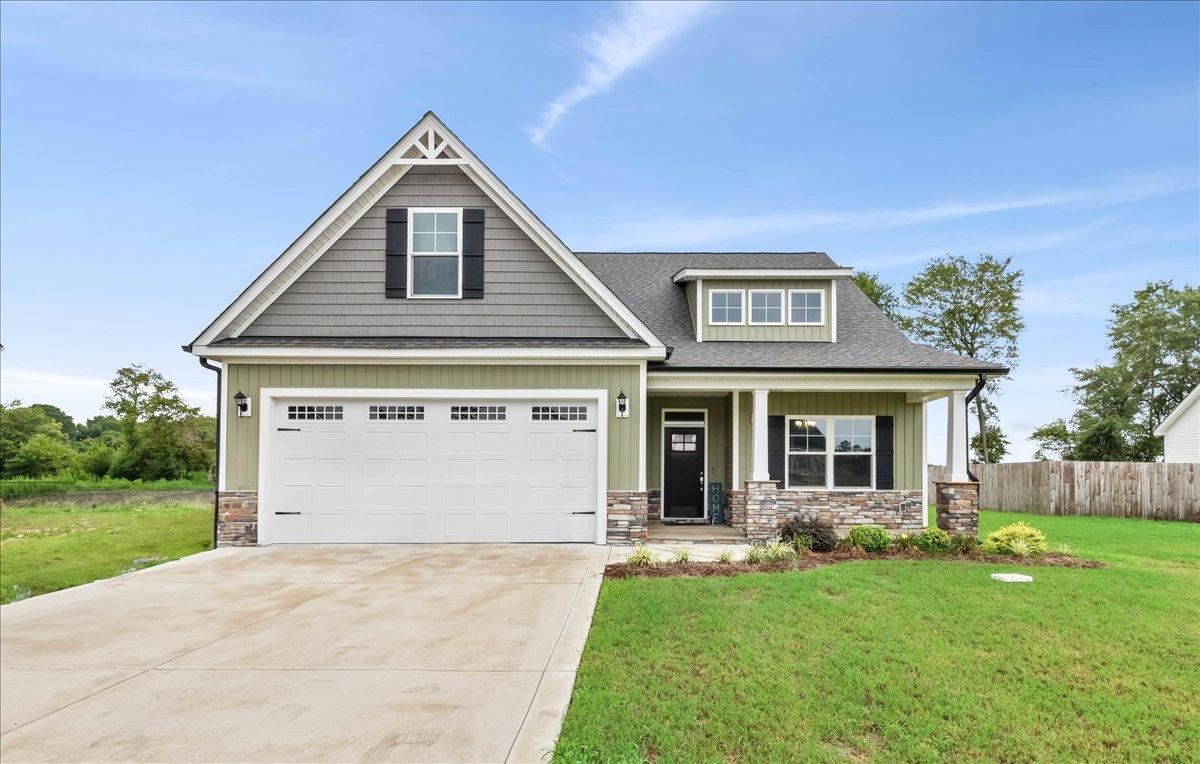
x=156 y=157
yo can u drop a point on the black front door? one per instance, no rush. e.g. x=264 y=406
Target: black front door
x=683 y=473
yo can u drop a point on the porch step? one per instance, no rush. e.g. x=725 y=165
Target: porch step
x=658 y=533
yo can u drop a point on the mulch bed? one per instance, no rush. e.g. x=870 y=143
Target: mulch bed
x=819 y=559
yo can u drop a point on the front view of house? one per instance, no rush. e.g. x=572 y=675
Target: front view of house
x=428 y=362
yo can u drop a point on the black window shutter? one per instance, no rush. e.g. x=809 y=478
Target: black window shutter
x=776 y=447
x=472 y=249
x=396 y=253
x=885 y=453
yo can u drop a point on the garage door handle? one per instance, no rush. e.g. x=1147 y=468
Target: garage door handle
x=591 y=430
x=288 y=429
x=584 y=513
x=287 y=513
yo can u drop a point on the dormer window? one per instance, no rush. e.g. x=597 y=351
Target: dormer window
x=806 y=307
x=726 y=307
x=766 y=307
x=435 y=247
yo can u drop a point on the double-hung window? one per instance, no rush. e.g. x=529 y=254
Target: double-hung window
x=806 y=307
x=766 y=306
x=435 y=253
x=726 y=307
x=830 y=452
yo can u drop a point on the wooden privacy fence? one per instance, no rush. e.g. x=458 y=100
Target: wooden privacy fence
x=1148 y=490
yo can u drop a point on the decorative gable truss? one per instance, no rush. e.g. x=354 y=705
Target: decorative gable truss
x=429 y=142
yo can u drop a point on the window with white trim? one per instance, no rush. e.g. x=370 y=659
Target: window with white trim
x=389 y=411
x=559 y=413
x=478 y=413
x=830 y=452
x=316 y=411
x=435 y=253
x=726 y=307
x=766 y=306
x=806 y=307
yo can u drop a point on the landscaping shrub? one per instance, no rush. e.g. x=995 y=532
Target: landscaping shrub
x=756 y=553
x=904 y=542
x=802 y=542
x=824 y=537
x=964 y=543
x=870 y=538
x=932 y=541
x=642 y=557
x=725 y=556
x=1001 y=541
x=780 y=551
x=681 y=555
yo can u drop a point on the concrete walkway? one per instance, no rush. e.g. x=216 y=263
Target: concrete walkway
x=380 y=653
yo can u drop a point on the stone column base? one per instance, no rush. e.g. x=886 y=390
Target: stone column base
x=762 y=509
x=735 y=509
x=958 y=507
x=237 y=518
x=627 y=517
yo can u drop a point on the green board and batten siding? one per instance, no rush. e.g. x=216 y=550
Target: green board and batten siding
x=717 y=436
x=241 y=444
x=908 y=419
x=747 y=332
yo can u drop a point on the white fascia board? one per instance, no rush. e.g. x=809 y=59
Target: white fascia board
x=492 y=186
x=1179 y=411
x=692 y=274
x=924 y=384
x=467 y=355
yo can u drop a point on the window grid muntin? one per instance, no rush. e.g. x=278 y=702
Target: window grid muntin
x=806 y=307
x=313 y=411
x=727 y=307
x=854 y=429
x=766 y=307
x=395 y=412
x=478 y=413
x=559 y=413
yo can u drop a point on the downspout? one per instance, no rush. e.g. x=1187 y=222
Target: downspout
x=217 y=483
x=967 y=413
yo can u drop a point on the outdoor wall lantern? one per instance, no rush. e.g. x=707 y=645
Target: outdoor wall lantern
x=622 y=405
x=242 y=403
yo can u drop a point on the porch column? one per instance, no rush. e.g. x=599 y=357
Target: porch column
x=956 y=438
x=760 y=469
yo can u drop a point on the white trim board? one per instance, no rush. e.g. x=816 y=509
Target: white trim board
x=429 y=135
x=924 y=386
x=692 y=274
x=468 y=355
x=268 y=396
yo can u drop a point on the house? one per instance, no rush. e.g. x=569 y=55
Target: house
x=1180 y=431
x=429 y=362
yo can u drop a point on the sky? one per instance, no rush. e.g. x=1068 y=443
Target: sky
x=154 y=158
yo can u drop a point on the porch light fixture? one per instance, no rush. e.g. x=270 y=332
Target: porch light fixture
x=242 y=403
x=622 y=405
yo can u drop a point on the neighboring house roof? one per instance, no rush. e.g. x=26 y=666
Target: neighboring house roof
x=1178 y=412
x=866 y=339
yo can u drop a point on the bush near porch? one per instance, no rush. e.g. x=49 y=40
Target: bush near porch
x=917 y=661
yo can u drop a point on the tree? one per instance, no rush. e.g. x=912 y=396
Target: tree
x=97 y=426
x=40 y=456
x=63 y=418
x=1054 y=439
x=880 y=292
x=20 y=423
x=1156 y=363
x=164 y=437
x=996 y=445
x=969 y=307
x=138 y=395
x=96 y=455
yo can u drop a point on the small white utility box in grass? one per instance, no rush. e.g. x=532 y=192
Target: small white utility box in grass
x=1013 y=578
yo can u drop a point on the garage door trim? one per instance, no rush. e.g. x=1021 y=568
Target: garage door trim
x=268 y=396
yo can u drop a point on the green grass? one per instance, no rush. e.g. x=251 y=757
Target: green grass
x=46 y=548
x=905 y=661
x=21 y=486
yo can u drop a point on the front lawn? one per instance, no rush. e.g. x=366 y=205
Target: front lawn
x=914 y=661
x=44 y=548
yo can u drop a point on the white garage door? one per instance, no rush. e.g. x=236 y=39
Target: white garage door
x=418 y=470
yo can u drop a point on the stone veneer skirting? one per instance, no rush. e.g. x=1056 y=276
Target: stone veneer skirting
x=761 y=508
x=958 y=507
x=627 y=516
x=237 y=518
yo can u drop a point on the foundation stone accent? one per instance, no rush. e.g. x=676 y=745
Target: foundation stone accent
x=762 y=515
x=958 y=507
x=237 y=518
x=654 y=504
x=735 y=509
x=898 y=511
x=627 y=516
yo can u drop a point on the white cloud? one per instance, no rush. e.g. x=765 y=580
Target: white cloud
x=1090 y=293
x=81 y=397
x=681 y=231
x=639 y=31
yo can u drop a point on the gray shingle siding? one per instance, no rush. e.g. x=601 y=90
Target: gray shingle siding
x=342 y=292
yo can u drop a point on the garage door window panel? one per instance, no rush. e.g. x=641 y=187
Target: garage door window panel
x=478 y=413
x=559 y=413
x=314 y=412
x=391 y=412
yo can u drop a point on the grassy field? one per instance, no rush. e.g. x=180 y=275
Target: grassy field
x=22 y=487
x=50 y=547
x=909 y=661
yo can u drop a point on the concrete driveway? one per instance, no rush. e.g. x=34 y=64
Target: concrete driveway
x=374 y=653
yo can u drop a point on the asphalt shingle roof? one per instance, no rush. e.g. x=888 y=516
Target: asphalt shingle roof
x=866 y=339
